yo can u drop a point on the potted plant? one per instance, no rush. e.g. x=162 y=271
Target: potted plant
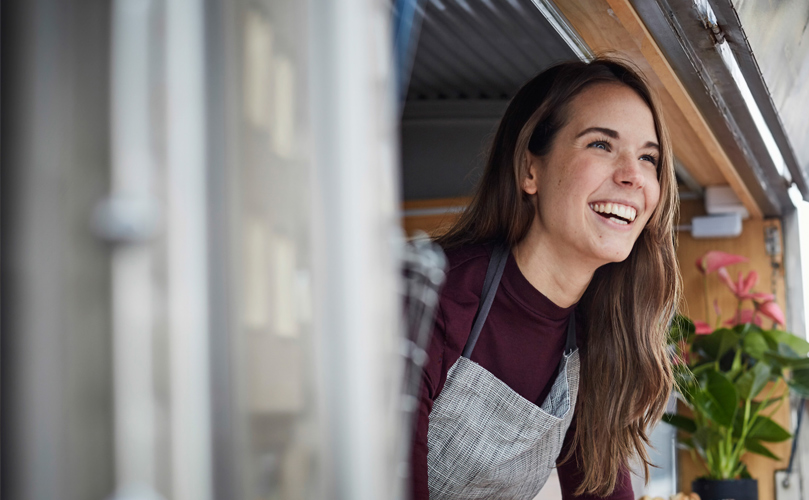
x=722 y=374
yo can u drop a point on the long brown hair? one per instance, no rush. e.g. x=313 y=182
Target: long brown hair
x=626 y=374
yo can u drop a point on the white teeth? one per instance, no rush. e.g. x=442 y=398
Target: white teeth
x=623 y=211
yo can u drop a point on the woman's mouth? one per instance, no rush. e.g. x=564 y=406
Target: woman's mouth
x=619 y=213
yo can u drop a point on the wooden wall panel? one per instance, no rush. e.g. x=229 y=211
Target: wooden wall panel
x=431 y=223
x=751 y=244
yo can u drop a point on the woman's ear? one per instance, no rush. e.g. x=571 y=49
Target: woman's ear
x=530 y=180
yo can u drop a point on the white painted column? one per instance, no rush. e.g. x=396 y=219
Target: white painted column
x=356 y=220
x=187 y=238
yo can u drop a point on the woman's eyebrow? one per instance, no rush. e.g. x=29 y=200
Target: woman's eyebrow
x=614 y=134
x=606 y=131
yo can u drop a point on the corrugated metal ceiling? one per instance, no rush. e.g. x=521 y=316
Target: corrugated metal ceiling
x=481 y=49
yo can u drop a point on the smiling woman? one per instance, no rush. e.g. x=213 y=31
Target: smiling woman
x=549 y=344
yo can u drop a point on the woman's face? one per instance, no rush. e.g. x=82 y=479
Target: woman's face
x=597 y=186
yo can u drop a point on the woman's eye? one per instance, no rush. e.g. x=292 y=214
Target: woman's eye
x=650 y=158
x=600 y=145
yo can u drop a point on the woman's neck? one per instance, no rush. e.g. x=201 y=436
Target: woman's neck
x=561 y=277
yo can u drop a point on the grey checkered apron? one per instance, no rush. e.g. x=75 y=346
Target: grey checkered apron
x=484 y=439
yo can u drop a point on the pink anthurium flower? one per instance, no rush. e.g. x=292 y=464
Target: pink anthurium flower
x=761 y=297
x=743 y=286
x=749 y=282
x=745 y=316
x=772 y=311
x=725 y=278
x=702 y=328
x=715 y=259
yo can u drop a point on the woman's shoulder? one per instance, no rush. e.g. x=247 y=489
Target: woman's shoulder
x=460 y=296
x=468 y=257
x=466 y=270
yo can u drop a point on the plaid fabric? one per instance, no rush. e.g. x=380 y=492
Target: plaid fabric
x=487 y=441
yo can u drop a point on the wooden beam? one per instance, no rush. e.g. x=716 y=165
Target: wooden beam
x=433 y=216
x=613 y=27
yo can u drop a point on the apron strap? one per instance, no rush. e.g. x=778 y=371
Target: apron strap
x=497 y=263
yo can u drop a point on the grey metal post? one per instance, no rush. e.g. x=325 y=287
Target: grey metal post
x=57 y=407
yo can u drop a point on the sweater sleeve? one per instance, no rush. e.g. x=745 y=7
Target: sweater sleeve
x=571 y=476
x=431 y=383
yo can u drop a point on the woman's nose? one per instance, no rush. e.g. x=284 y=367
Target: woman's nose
x=628 y=172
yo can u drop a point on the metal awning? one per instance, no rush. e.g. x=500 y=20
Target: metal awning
x=481 y=50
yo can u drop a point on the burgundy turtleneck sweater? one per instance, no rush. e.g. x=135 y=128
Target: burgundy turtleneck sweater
x=521 y=344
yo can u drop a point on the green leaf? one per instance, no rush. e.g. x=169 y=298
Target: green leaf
x=736 y=367
x=702 y=368
x=787 y=352
x=683 y=423
x=786 y=357
x=718 y=400
x=755 y=344
x=751 y=382
x=715 y=345
x=755 y=446
x=737 y=426
x=682 y=328
x=756 y=406
x=706 y=438
x=800 y=389
x=799 y=364
x=744 y=328
x=799 y=382
x=795 y=343
x=764 y=429
x=686 y=443
x=775 y=360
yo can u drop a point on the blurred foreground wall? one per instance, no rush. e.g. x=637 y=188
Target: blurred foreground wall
x=199 y=285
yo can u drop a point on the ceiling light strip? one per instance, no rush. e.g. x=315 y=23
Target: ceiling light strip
x=560 y=24
x=709 y=20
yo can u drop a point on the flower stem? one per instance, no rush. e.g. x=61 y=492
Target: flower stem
x=736 y=454
x=707 y=301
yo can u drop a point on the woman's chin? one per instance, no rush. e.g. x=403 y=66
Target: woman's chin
x=615 y=256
